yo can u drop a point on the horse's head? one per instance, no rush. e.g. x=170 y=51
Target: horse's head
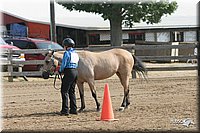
x=50 y=65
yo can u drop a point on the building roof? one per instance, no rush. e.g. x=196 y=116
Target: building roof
x=39 y=11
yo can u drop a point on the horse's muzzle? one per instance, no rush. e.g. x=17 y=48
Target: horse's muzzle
x=45 y=74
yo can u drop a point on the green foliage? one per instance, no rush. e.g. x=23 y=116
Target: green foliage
x=127 y=13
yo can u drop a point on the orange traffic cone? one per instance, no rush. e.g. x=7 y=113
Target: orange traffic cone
x=107 y=110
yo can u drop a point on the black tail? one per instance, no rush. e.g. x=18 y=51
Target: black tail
x=139 y=67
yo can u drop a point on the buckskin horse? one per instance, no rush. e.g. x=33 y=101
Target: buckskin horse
x=98 y=66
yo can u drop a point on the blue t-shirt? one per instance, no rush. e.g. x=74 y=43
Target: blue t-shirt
x=70 y=59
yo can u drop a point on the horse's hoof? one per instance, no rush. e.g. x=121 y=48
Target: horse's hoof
x=98 y=110
x=127 y=107
x=121 y=108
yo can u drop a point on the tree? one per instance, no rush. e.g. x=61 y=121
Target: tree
x=125 y=13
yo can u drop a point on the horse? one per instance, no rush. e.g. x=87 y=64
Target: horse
x=98 y=66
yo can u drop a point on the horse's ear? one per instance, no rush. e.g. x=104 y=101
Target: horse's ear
x=52 y=52
x=49 y=53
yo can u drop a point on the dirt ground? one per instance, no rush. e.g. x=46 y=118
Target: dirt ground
x=160 y=104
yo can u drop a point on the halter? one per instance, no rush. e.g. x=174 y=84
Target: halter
x=52 y=59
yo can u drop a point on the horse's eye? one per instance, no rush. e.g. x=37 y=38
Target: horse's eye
x=47 y=61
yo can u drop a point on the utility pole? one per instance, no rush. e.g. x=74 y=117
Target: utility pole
x=52 y=25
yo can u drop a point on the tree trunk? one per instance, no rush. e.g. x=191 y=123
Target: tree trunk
x=116 y=27
x=116 y=33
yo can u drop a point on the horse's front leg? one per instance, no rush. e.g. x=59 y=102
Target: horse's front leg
x=93 y=91
x=81 y=92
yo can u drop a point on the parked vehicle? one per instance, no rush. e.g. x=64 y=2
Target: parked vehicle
x=4 y=56
x=31 y=43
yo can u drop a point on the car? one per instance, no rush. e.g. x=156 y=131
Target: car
x=33 y=43
x=4 y=56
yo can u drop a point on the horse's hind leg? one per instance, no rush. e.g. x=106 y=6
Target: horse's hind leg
x=94 y=94
x=124 y=79
x=81 y=92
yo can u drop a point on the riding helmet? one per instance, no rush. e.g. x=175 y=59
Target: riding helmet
x=68 y=42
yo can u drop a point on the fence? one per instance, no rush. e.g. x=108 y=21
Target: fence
x=11 y=63
x=131 y=48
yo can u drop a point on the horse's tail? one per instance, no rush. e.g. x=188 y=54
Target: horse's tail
x=139 y=67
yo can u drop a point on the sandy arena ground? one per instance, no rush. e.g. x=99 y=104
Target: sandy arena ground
x=160 y=104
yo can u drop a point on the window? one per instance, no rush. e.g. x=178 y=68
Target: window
x=18 y=43
x=150 y=37
x=177 y=36
x=134 y=36
x=48 y=45
x=190 y=36
x=139 y=37
x=94 y=39
x=22 y=44
x=163 y=36
x=31 y=45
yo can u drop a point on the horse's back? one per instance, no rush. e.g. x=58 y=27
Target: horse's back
x=123 y=56
x=102 y=65
x=97 y=65
x=113 y=56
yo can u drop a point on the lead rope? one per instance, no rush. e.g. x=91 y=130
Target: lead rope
x=57 y=74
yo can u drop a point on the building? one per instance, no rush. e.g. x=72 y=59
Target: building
x=19 y=26
x=90 y=29
x=174 y=33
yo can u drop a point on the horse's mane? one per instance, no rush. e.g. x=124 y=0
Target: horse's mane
x=58 y=56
